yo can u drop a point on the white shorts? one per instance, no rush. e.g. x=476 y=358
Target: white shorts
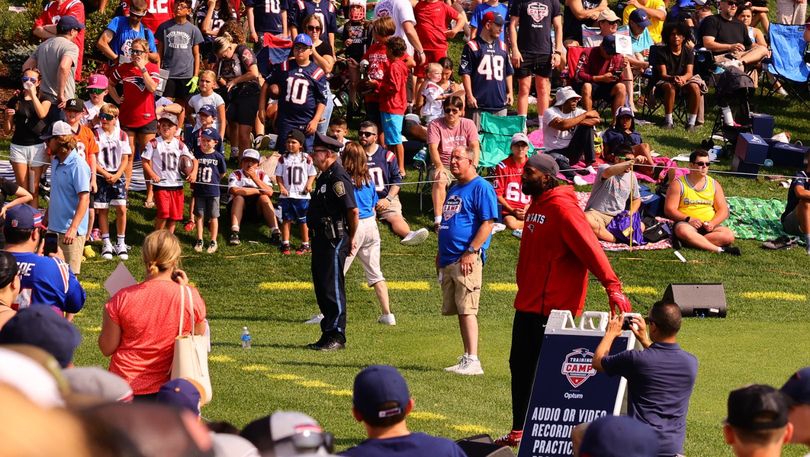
x=33 y=156
x=367 y=239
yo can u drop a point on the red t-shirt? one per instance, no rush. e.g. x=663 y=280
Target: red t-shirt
x=159 y=11
x=393 y=91
x=377 y=66
x=149 y=316
x=55 y=10
x=508 y=183
x=432 y=20
x=138 y=107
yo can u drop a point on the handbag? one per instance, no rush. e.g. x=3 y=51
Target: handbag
x=191 y=352
x=623 y=226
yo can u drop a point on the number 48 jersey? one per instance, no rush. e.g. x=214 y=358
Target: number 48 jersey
x=295 y=170
x=488 y=66
x=300 y=89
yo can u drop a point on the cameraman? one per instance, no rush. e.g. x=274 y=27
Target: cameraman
x=660 y=378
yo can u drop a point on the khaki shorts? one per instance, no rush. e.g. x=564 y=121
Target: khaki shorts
x=436 y=176
x=73 y=252
x=460 y=294
x=601 y=218
x=394 y=209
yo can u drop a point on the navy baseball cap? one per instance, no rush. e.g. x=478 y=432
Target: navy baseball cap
x=23 y=217
x=797 y=388
x=303 y=38
x=43 y=327
x=377 y=385
x=209 y=110
x=68 y=23
x=640 y=18
x=492 y=16
x=180 y=393
x=609 y=43
x=757 y=407
x=297 y=135
x=211 y=134
x=619 y=436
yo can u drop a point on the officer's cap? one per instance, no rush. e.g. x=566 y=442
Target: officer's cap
x=326 y=141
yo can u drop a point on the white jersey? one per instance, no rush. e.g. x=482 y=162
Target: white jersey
x=165 y=158
x=295 y=170
x=238 y=179
x=112 y=148
x=198 y=101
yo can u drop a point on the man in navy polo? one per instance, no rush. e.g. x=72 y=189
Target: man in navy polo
x=660 y=378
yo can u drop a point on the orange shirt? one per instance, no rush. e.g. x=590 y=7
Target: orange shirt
x=149 y=316
x=86 y=144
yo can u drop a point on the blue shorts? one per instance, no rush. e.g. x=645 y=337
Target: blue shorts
x=110 y=194
x=392 y=128
x=294 y=209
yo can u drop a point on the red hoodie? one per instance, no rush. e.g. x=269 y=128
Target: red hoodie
x=557 y=249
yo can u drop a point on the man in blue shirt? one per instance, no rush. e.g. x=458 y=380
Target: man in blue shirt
x=324 y=9
x=382 y=402
x=43 y=280
x=468 y=215
x=660 y=378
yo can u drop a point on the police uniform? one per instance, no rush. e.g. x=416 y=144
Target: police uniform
x=333 y=197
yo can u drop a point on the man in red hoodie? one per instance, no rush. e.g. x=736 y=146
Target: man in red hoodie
x=557 y=250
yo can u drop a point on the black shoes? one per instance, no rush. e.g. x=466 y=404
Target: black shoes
x=327 y=345
x=732 y=250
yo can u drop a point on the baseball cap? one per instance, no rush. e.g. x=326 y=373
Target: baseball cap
x=268 y=433
x=357 y=3
x=564 y=94
x=757 y=407
x=97 y=81
x=297 y=135
x=211 y=134
x=520 y=137
x=168 y=117
x=74 y=104
x=227 y=445
x=491 y=16
x=30 y=378
x=251 y=154
x=624 y=111
x=68 y=23
x=544 y=163
x=208 y=110
x=377 y=385
x=608 y=15
x=609 y=43
x=99 y=383
x=797 y=388
x=619 y=436
x=43 y=327
x=327 y=142
x=180 y=393
x=23 y=217
x=58 y=128
x=640 y=18
x=303 y=38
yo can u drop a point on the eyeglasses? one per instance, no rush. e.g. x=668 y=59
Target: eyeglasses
x=106 y=117
x=180 y=6
x=26 y=79
x=459 y=159
x=366 y=134
x=136 y=52
x=701 y=164
x=97 y=91
x=313 y=28
x=451 y=110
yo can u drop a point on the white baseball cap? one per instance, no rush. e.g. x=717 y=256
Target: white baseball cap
x=251 y=154
x=59 y=128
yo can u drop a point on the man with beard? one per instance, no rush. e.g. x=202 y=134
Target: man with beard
x=557 y=250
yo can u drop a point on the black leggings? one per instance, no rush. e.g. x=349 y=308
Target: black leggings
x=581 y=146
x=528 y=330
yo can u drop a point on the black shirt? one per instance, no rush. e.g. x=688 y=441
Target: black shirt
x=534 y=25
x=27 y=124
x=572 y=27
x=332 y=197
x=6 y=188
x=357 y=31
x=675 y=65
x=725 y=32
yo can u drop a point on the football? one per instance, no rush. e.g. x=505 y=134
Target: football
x=185 y=166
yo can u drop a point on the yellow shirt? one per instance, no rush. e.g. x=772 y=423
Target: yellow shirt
x=656 y=25
x=697 y=203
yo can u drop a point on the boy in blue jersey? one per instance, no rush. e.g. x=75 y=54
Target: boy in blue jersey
x=210 y=170
x=324 y=9
x=486 y=71
x=468 y=215
x=299 y=85
x=476 y=21
x=266 y=17
x=43 y=280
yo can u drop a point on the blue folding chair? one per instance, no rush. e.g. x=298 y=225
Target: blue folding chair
x=786 y=64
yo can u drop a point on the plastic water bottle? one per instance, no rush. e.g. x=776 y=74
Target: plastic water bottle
x=768 y=163
x=246 y=338
x=715 y=152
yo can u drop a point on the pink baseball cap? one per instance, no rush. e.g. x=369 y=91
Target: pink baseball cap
x=97 y=81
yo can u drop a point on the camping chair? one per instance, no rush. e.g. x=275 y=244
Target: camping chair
x=651 y=102
x=496 y=139
x=574 y=60
x=787 y=64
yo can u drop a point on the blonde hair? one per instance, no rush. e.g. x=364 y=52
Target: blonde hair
x=355 y=162
x=144 y=44
x=208 y=73
x=434 y=66
x=64 y=144
x=383 y=26
x=109 y=108
x=222 y=42
x=161 y=251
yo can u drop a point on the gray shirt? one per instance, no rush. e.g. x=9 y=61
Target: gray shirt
x=48 y=56
x=178 y=42
x=610 y=195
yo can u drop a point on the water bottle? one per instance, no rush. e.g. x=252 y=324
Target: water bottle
x=768 y=163
x=246 y=338
x=715 y=152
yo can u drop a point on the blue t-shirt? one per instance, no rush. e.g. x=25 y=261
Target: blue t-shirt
x=300 y=89
x=267 y=15
x=488 y=66
x=384 y=169
x=47 y=281
x=413 y=445
x=614 y=137
x=123 y=35
x=642 y=42
x=68 y=180
x=660 y=380
x=466 y=207
x=211 y=169
x=801 y=179
x=483 y=9
x=366 y=199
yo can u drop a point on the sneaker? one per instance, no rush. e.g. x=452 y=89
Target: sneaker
x=198 y=246
x=590 y=170
x=783 y=242
x=329 y=345
x=212 y=247
x=469 y=367
x=107 y=251
x=303 y=249
x=461 y=360
x=316 y=319
x=275 y=237
x=579 y=181
x=415 y=238
x=732 y=250
x=257 y=142
x=498 y=227
x=285 y=249
x=234 y=239
x=668 y=126
x=122 y=251
x=511 y=439
x=387 y=319
x=517 y=233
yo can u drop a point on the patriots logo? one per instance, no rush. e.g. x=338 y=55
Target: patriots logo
x=452 y=206
x=578 y=366
x=537 y=11
x=137 y=81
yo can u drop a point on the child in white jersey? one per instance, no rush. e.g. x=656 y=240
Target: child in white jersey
x=295 y=174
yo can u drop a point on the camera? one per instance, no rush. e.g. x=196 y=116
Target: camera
x=627 y=321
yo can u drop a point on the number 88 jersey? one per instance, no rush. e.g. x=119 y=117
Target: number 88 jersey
x=301 y=89
x=488 y=66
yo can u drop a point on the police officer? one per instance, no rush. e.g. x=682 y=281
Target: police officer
x=332 y=219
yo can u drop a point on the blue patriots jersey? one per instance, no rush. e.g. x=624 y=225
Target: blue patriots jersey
x=211 y=169
x=267 y=15
x=300 y=90
x=47 y=281
x=488 y=66
x=384 y=169
x=300 y=9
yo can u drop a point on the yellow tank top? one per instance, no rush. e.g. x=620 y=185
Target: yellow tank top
x=697 y=203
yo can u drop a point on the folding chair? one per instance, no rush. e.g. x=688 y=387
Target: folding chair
x=575 y=59
x=787 y=64
x=651 y=102
x=496 y=139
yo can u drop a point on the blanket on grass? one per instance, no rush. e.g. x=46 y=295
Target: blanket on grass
x=582 y=200
x=755 y=218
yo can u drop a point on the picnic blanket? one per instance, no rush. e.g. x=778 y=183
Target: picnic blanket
x=582 y=200
x=755 y=218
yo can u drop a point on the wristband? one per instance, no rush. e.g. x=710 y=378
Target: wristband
x=389 y=198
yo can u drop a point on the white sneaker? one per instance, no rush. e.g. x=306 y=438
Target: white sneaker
x=591 y=170
x=107 y=251
x=415 y=238
x=498 y=227
x=579 y=181
x=387 y=319
x=470 y=368
x=461 y=360
x=517 y=233
x=122 y=252
x=316 y=319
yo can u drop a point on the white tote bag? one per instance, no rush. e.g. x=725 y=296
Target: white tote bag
x=191 y=351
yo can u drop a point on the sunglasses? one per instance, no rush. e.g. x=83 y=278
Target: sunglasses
x=366 y=134
x=313 y=28
x=106 y=117
x=136 y=52
x=97 y=91
x=451 y=110
x=733 y=4
x=701 y=164
x=26 y=79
